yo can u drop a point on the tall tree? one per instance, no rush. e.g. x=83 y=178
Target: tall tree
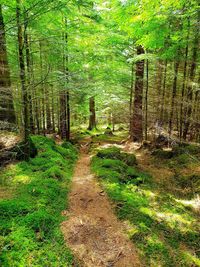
x=7 y=113
x=23 y=80
x=192 y=77
x=92 y=119
x=137 y=119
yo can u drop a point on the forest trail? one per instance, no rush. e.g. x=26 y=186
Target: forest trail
x=92 y=231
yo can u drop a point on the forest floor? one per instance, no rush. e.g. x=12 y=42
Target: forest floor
x=113 y=223
x=93 y=232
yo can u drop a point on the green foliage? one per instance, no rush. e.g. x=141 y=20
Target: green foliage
x=31 y=220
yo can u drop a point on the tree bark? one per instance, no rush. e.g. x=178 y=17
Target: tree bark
x=92 y=120
x=174 y=89
x=28 y=65
x=191 y=80
x=67 y=80
x=163 y=94
x=43 y=91
x=146 y=99
x=23 y=80
x=184 y=85
x=7 y=113
x=137 y=119
x=131 y=97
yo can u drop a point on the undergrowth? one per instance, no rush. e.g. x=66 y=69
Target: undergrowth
x=164 y=228
x=30 y=221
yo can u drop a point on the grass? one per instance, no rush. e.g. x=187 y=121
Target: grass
x=164 y=229
x=30 y=220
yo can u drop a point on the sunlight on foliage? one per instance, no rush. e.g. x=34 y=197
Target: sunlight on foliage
x=157 y=222
x=30 y=234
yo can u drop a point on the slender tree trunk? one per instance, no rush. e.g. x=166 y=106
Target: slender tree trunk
x=163 y=94
x=137 y=129
x=7 y=113
x=131 y=97
x=52 y=108
x=159 y=88
x=28 y=65
x=43 y=91
x=67 y=80
x=146 y=99
x=92 y=120
x=174 y=89
x=191 y=80
x=64 y=96
x=23 y=80
x=184 y=84
x=63 y=115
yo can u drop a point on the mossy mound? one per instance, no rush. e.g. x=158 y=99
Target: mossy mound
x=117 y=166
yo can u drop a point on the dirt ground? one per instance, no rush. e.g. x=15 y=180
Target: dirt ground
x=92 y=231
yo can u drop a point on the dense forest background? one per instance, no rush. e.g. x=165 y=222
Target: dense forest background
x=99 y=133
x=133 y=62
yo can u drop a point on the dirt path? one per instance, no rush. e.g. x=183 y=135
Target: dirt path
x=92 y=231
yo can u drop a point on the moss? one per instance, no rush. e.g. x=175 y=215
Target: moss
x=163 y=154
x=30 y=220
x=54 y=172
x=41 y=221
x=109 y=153
x=129 y=159
x=157 y=222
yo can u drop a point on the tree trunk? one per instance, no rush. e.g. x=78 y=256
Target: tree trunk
x=52 y=108
x=28 y=65
x=92 y=120
x=163 y=94
x=159 y=88
x=63 y=115
x=174 y=89
x=131 y=97
x=137 y=118
x=146 y=99
x=184 y=84
x=67 y=80
x=43 y=91
x=23 y=80
x=191 y=80
x=7 y=113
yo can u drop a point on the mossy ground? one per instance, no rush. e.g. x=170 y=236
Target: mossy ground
x=30 y=220
x=164 y=228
